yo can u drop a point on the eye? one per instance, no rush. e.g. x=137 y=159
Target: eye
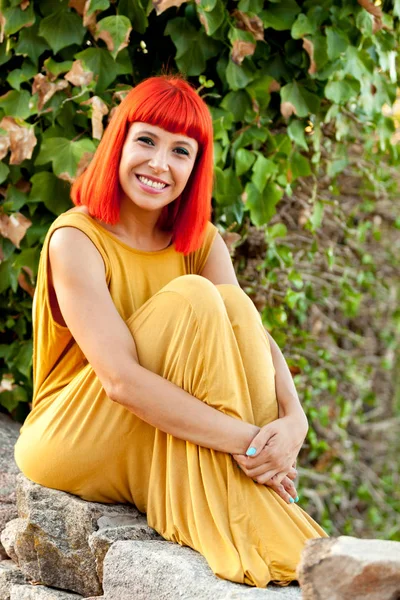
x=184 y=151
x=145 y=139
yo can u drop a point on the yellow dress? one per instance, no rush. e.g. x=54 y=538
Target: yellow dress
x=210 y=341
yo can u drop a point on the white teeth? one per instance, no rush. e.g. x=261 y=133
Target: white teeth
x=153 y=184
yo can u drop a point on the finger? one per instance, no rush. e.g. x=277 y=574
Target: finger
x=279 y=477
x=280 y=490
x=292 y=474
x=289 y=487
x=266 y=477
x=261 y=439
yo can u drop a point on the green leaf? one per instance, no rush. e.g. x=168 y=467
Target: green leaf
x=227 y=187
x=280 y=16
x=61 y=29
x=15 y=199
x=100 y=5
x=263 y=169
x=64 y=155
x=194 y=47
x=301 y=27
x=17 y=104
x=56 y=68
x=262 y=205
x=297 y=134
x=300 y=165
x=15 y=19
x=339 y=91
x=303 y=101
x=279 y=230
x=337 y=42
x=211 y=15
x=27 y=258
x=243 y=161
x=135 y=13
x=18 y=76
x=237 y=103
x=259 y=90
x=23 y=360
x=123 y=63
x=251 y=6
x=101 y=63
x=50 y=190
x=116 y=27
x=30 y=44
x=8 y=277
x=4 y=171
x=239 y=76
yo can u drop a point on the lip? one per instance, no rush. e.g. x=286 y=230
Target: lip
x=151 y=178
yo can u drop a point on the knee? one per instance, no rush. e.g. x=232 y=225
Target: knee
x=198 y=290
x=237 y=301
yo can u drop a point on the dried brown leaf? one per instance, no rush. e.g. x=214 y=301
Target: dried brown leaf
x=89 y=21
x=120 y=94
x=242 y=49
x=274 y=86
x=83 y=163
x=99 y=109
x=253 y=24
x=309 y=48
x=4 y=144
x=14 y=227
x=45 y=88
x=161 y=5
x=24 y=4
x=77 y=75
x=23 y=186
x=78 y=5
x=22 y=140
x=2 y=25
x=287 y=109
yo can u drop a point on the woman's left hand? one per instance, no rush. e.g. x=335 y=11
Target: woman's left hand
x=276 y=448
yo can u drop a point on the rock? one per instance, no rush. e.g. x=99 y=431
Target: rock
x=40 y=592
x=155 y=570
x=9 y=574
x=112 y=529
x=9 y=432
x=50 y=541
x=347 y=568
x=9 y=535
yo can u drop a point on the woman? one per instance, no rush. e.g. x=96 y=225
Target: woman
x=153 y=374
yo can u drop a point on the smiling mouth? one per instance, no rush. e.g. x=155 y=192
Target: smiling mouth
x=156 y=185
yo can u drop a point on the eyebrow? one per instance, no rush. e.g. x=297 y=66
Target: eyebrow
x=157 y=137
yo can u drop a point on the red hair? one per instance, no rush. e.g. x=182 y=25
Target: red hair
x=169 y=102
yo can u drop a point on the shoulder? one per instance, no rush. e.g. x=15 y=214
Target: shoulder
x=218 y=267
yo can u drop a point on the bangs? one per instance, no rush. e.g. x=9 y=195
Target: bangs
x=174 y=111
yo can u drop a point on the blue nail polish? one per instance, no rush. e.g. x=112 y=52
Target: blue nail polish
x=251 y=451
x=291 y=500
x=296 y=499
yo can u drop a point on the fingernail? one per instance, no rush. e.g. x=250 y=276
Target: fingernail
x=251 y=451
x=291 y=500
x=296 y=499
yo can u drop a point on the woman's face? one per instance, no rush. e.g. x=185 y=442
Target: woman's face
x=155 y=164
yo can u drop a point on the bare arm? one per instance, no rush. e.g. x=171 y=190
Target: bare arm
x=107 y=343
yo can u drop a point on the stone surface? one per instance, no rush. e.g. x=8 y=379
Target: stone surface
x=112 y=529
x=40 y=592
x=50 y=541
x=347 y=568
x=155 y=570
x=9 y=432
x=9 y=574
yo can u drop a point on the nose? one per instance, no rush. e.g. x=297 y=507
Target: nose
x=159 y=161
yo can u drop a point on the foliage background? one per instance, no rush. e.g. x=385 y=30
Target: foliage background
x=303 y=100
